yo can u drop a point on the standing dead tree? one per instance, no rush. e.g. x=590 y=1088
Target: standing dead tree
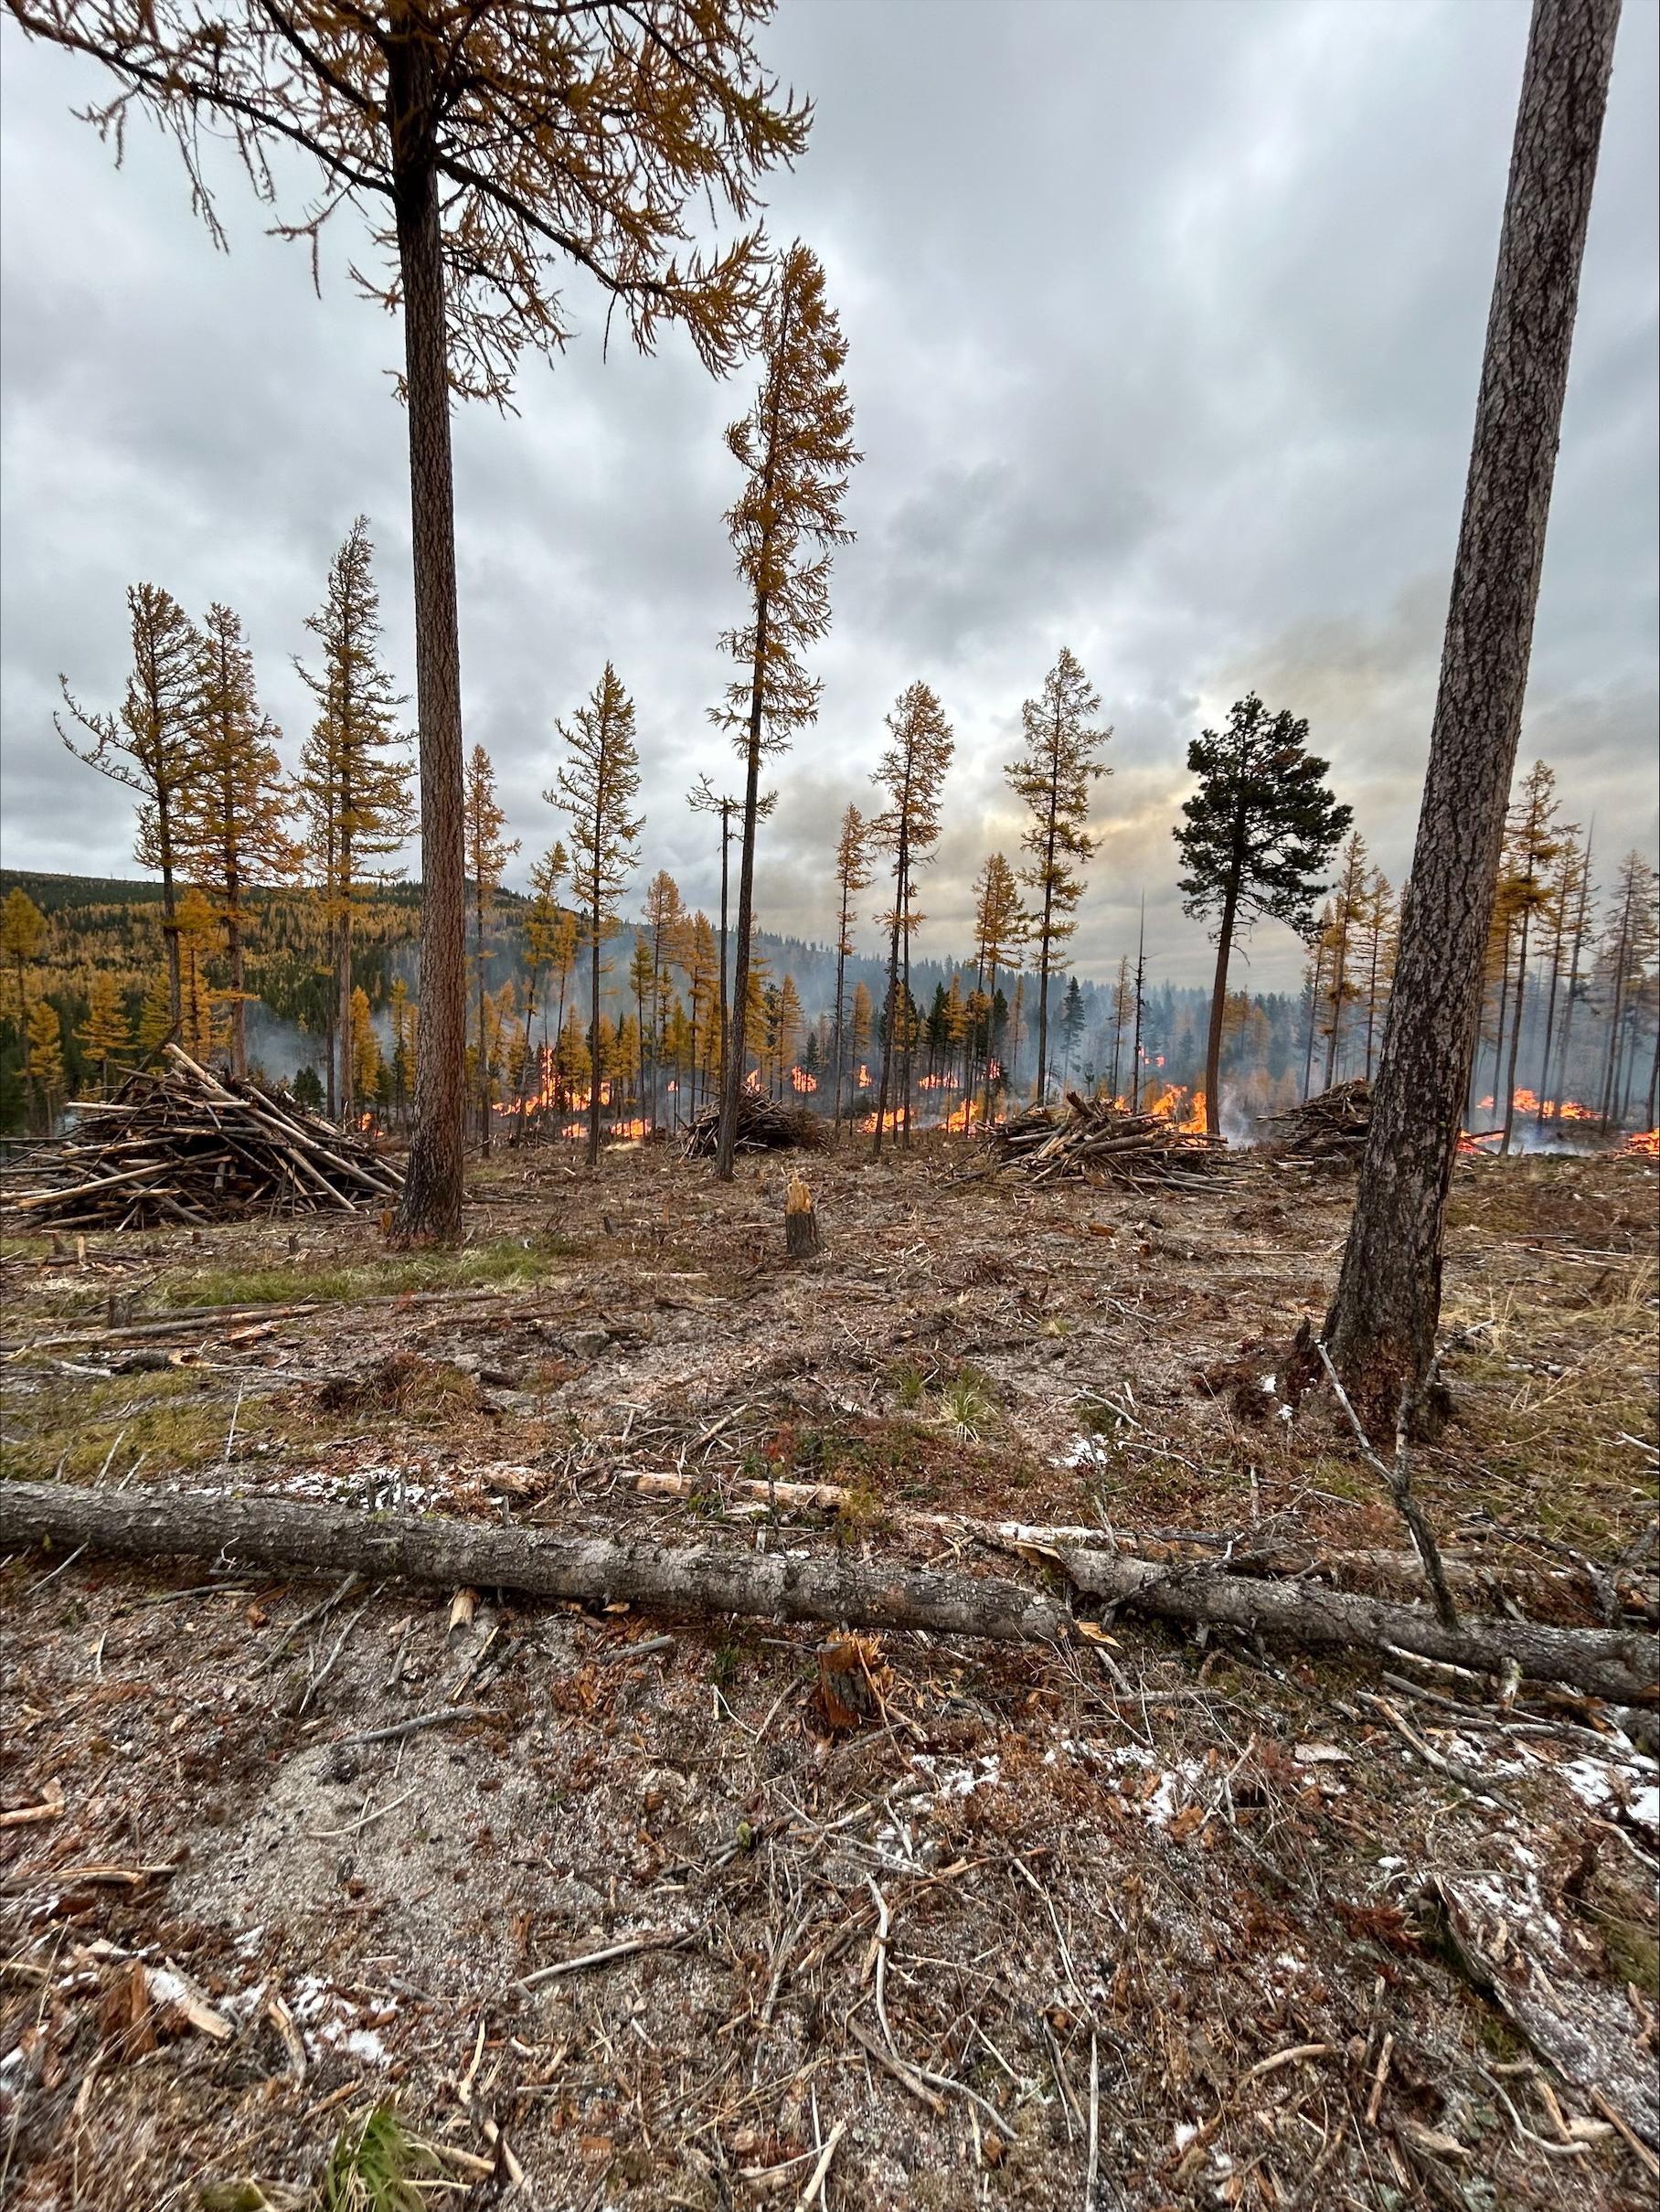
x=1382 y=1324
x=488 y=146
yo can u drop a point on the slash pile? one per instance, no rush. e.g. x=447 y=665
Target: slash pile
x=763 y=1125
x=1096 y=1141
x=186 y=1145
x=1332 y=1126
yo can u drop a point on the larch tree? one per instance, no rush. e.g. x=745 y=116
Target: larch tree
x=861 y=1027
x=665 y=928
x=488 y=853
x=487 y=148
x=1381 y=1327
x=1000 y=928
x=1255 y=842
x=796 y=449
x=597 y=789
x=44 y=1065
x=106 y=1030
x=1584 y=893
x=1377 y=922
x=1564 y=895
x=353 y=783
x=200 y=1029
x=233 y=831
x=23 y=932
x=543 y=917
x=1535 y=840
x=853 y=872
x=150 y=745
x=913 y=772
x=704 y=799
x=1350 y=896
x=1123 y=1007
x=1052 y=778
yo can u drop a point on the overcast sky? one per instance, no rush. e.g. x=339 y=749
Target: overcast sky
x=1165 y=322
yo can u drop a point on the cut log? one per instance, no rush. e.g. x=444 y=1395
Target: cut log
x=1621 y=1666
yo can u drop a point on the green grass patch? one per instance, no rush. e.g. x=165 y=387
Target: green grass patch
x=507 y=1264
x=171 y=1420
x=379 y=2165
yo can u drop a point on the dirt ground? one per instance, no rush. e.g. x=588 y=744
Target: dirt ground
x=1148 y=1924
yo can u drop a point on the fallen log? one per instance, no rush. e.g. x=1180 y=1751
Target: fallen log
x=1621 y=1666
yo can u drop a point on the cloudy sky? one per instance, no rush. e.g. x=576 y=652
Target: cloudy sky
x=1165 y=325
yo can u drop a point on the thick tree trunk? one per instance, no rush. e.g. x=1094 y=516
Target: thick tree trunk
x=1382 y=1324
x=430 y=1205
x=1219 y=1007
x=1616 y=1663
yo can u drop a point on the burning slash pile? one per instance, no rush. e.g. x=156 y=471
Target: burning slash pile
x=184 y=1146
x=763 y=1125
x=1332 y=1126
x=1097 y=1140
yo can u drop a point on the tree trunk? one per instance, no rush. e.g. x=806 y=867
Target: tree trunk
x=175 y=1002
x=233 y=949
x=1516 y=1034
x=1219 y=1007
x=483 y=1065
x=1314 y=1016
x=346 y=1087
x=890 y=1012
x=1565 y=1065
x=430 y=1205
x=595 y=1074
x=1616 y=1663
x=1382 y=1324
x=731 y=1082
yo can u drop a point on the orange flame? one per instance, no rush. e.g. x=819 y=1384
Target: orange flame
x=1642 y=1144
x=802 y=1081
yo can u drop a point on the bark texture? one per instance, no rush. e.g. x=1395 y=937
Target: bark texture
x=1382 y=1324
x=1619 y=1664
x=431 y=1207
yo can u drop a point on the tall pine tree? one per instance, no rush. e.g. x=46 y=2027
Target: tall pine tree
x=796 y=448
x=1255 y=841
x=1053 y=777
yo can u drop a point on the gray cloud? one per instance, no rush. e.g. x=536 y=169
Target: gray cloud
x=1165 y=329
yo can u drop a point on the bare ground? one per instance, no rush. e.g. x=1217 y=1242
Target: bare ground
x=1262 y=1932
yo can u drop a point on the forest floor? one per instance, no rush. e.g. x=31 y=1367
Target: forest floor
x=1191 y=1926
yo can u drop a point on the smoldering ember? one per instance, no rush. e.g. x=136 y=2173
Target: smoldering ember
x=830 y=1334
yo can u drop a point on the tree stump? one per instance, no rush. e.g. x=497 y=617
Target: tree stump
x=801 y=1224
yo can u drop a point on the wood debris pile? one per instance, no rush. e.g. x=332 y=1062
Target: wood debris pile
x=763 y=1125
x=1332 y=1126
x=186 y=1145
x=1095 y=1140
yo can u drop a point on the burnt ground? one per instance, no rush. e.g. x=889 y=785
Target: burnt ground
x=1272 y=1930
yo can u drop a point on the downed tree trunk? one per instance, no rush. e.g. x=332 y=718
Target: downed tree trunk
x=1603 y=1663
x=1395 y=1574
x=1622 y=1664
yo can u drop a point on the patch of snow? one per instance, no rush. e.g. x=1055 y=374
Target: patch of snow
x=1589 y=1778
x=248 y=1942
x=1391 y=1865
x=365 y=2044
x=1185 y=2134
x=1644 y=1807
x=1086 y=1452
